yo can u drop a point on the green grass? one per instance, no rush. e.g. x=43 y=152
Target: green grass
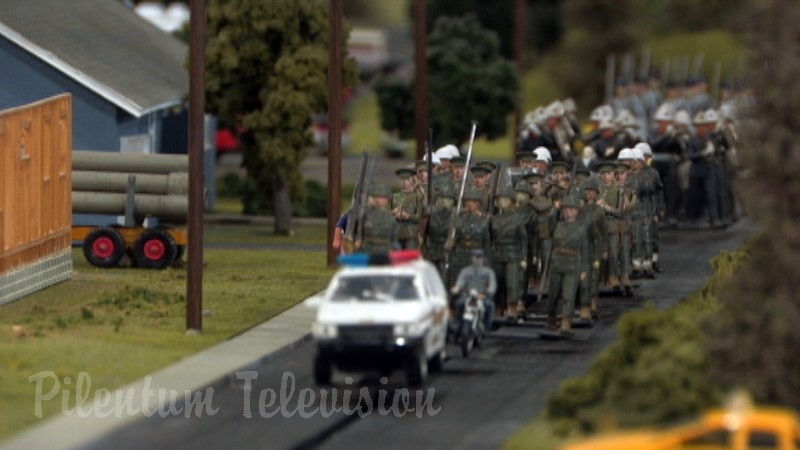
x=119 y=325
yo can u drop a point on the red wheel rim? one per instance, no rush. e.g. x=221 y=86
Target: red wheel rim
x=154 y=249
x=104 y=247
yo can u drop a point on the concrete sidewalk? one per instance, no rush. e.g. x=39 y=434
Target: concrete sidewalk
x=211 y=366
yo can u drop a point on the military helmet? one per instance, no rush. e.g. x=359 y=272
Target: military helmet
x=522 y=186
x=645 y=148
x=664 y=113
x=606 y=166
x=560 y=165
x=442 y=181
x=625 y=154
x=526 y=156
x=571 y=201
x=621 y=167
x=533 y=175
x=405 y=172
x=682 y=117
x=480 y=170
x=543 y=154
x=490 y=165
x=591 y=183
x=380 y=190
x=458 y=161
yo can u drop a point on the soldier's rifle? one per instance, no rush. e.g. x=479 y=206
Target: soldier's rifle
x=546 y=268
x=451 y=231
x=423 y=226
x=349 y=231
x=364 y=198
x=493 y=193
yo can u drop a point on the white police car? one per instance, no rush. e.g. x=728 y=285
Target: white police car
x=381 y=312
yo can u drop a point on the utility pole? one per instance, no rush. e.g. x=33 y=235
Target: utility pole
x=335 y=56
x=197 y=61
x=420 y=75
x=520 y=36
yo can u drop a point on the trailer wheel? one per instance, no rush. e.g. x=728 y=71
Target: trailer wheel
x=155 y=249
x=104 y=247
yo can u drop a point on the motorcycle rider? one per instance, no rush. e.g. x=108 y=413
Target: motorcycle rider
x=481 y=278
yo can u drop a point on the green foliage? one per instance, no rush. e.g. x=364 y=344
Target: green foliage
x=396 y=101
x=754 y=341
x=596 y=28
x=267 y=70
x=657 y=372
x=314 y=202
x=469 y=81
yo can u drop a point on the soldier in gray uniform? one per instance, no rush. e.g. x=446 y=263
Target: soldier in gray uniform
x=436 y=229
x=378 y=232
x=594 y=218
x=471 y=232
x=407 y=208
x=569 y=265
x=509 y=253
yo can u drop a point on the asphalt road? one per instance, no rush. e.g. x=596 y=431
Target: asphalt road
x=475 y=403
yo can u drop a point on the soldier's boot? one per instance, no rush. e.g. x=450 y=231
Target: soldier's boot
x=613 y=282
x=594 y=308
x=586 y=315
x=656 y=266
x=566 y=326
x=520 y=310
x=552 y=322
x=647 y=269
x=626 y=286
x=637 y=269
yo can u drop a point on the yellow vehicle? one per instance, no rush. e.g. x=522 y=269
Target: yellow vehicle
x=737 y=429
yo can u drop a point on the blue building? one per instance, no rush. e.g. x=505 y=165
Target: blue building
x=129 y=80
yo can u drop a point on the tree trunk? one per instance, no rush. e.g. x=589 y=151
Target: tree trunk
x=283 y=207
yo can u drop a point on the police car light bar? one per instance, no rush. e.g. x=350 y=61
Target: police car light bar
x=379 y=259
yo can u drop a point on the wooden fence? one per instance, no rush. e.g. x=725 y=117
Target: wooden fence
x=35 y=196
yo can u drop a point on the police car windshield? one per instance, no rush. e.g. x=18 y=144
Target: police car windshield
x=375 y=288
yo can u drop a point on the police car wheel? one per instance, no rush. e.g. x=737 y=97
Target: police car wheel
x=437 y=362
x=417 y=371
x=323 y=370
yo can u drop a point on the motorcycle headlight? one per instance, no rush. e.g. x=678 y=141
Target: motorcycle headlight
x=324 y=330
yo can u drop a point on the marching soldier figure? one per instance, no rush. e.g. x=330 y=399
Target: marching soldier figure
x=610 y=202
x=509 y=253
x=569 y=265
x=481 y=175
x=545 y=221
x=437 y=227
x=423 y=178
x=594 y=218
x=407 y=208
x=471 y=232
x=378 y=231
x=627 y=201
x=527 y=215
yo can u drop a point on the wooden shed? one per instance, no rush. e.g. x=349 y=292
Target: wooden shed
x=35 y=196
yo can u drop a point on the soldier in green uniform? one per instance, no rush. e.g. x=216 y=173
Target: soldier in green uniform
x=459 y=164
x=559 y=181
x=627 y=202
x=509 y=253
x=610 y=201
x=527 y=214
x=422 y=180
x=471 y=232
x=436 y=229
x=639 y=182
x=545 y=210
x=407 y=208
x=481 y=175
x=378 y=232
x=569 y=265
x=594 y=218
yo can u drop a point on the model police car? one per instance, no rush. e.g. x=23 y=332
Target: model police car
x=381 y=312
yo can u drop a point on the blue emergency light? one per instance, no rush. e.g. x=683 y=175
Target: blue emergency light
x=379 y=259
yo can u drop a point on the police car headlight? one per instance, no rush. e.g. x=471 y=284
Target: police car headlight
x=409 y=329
x=324 y=331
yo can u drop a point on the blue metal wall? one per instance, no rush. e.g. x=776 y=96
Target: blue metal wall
x=97 y=123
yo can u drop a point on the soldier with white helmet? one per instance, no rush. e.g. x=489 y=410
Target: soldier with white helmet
x=604 y=140
x=702 y=177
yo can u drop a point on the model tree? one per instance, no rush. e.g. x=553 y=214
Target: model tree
x=468 y=80
x=267 y=70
